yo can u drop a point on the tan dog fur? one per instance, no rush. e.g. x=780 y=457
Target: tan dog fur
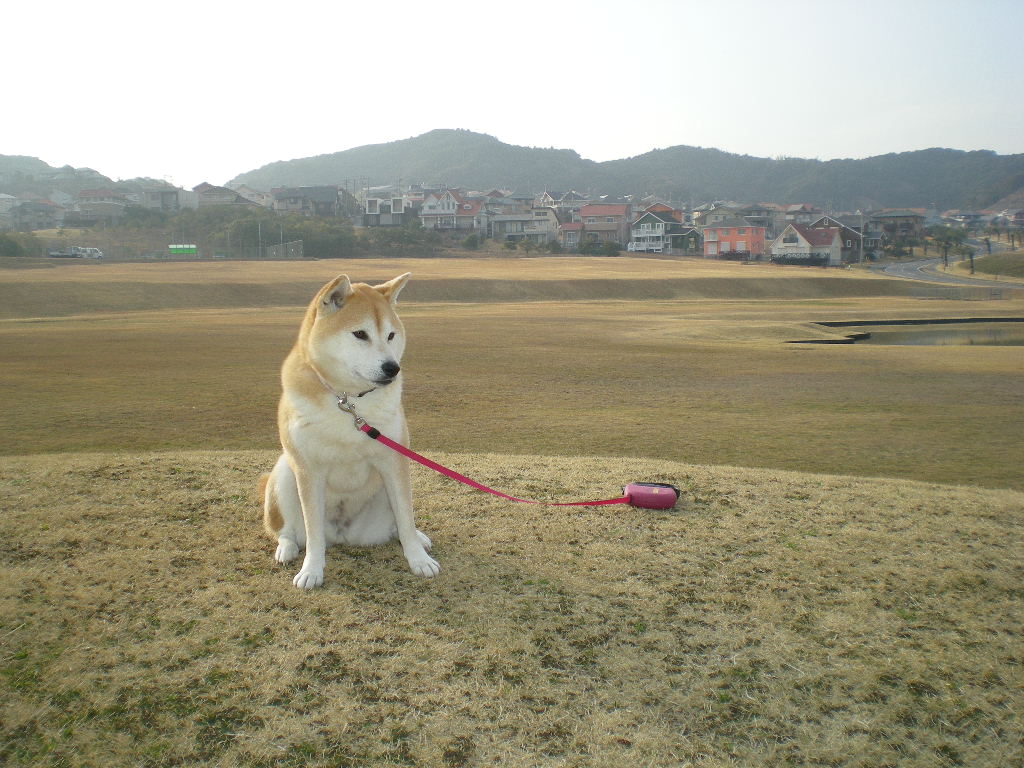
x=333 y=484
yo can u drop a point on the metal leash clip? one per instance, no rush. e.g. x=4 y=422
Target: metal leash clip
x=350 y=409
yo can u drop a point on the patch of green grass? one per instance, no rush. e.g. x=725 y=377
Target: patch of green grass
x=1010 y=264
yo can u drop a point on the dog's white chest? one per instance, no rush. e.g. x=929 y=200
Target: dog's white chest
x=336 y=450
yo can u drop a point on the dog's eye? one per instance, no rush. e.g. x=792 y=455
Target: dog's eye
x=361 y=335
x=391 y=336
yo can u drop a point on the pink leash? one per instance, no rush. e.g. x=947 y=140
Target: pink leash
x=411 y=454
x=642 y=495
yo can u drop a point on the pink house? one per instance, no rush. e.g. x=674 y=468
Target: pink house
x=734 y=238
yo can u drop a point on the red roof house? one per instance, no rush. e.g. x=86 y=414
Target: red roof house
x=800 y=243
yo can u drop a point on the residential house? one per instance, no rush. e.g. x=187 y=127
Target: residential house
x=683 y=217
x=759 y=215
x=649 y=232
x=802 y=213
x=688 y=241
x=699 y=212
x=414 y=195
x=549 y=199
x=262 y=199
x=208 y=194
x=607 y=222
x=504 y=201
x=900 y=224
x=392 y=211
x=188 y=199
x=501 y=202
x=776 y=217
x=538 y=225
x=800 y=243
x=36 y=214
x=106 y=195
x=567 y=204
x=734 y=238
x=964 y=219
x=849 y=235
x=326 y=200
x=159 y=197
x=660 y=231
x=94 y=205
x=707 y=215
x=7 y=202
x=570 y=235
x=449 y=209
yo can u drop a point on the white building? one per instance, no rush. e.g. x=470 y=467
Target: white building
x=798 y=242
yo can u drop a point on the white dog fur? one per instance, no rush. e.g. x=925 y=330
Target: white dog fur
x=332 y=483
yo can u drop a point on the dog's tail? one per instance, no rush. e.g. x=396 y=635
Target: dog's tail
x=272 y=520
x=261 y=487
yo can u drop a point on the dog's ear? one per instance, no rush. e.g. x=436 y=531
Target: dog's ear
x=332 y=296
x=392 y=288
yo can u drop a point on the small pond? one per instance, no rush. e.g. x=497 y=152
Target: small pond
x=978 y=331
x=982 y=334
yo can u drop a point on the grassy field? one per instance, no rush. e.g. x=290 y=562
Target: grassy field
x=678 y=360
x=774 y=619
x=1009 y=264
x=796 y=609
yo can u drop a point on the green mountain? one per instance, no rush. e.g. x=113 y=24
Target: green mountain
x=453 y=157
x=940 y=178
x=11 y=165
x=20 y=174
x=943 y=178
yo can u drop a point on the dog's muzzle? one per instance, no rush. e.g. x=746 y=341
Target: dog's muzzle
x=390 y=371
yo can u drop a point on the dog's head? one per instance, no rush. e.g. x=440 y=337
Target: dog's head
x=353 y=334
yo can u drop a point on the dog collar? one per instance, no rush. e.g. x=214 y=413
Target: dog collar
x=341 y=396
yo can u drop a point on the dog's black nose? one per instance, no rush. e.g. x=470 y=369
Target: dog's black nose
x=390 y=369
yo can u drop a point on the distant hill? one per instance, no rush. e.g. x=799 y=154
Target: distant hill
x=1013 y=200
x=20 y=174
x=940 y=178
x=11 y=165
x=453 y=157
x=943 y=178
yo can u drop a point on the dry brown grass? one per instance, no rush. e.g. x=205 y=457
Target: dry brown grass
x=773 y=619
x=703 y=381
x=75 y=288
x=540 y=268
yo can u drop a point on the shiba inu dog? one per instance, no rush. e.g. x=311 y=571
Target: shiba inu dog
x=332 y=484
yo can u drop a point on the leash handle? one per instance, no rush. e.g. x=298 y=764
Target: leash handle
x=411 y=454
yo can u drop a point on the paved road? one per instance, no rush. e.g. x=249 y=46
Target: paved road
x=930 y=271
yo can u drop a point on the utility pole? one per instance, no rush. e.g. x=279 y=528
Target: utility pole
x=861 y=214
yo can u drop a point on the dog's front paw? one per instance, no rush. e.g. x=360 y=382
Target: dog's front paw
x=309 y=578
x=424 y=540
x=424 y=565
x=287 y=550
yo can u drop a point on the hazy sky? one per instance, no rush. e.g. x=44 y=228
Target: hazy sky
x=195 y=92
